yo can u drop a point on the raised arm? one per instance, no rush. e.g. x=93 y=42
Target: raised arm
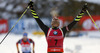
x=76 y=20
x=40 y=23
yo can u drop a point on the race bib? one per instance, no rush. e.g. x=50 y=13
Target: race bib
x=26 y=48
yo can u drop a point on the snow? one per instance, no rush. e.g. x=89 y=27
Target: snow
x=75 y=44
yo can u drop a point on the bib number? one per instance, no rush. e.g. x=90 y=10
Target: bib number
x=56 y=41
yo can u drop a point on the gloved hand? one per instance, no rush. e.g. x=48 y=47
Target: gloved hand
x=85 y=7
x=31 y=4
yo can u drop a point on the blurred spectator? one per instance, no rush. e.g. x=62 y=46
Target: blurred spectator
x=43 y=7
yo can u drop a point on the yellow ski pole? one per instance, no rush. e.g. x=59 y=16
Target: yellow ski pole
x=92 y=19
x=15 y=24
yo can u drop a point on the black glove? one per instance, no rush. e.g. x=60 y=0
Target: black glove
x=31 y=4
x=85 y=7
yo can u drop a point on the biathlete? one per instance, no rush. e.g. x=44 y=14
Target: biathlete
x=25 y=44
x=55 y=35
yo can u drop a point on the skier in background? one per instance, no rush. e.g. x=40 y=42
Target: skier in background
x=55 y=35
x=25 y=44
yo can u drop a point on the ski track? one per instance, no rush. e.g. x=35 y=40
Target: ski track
x=86 y=45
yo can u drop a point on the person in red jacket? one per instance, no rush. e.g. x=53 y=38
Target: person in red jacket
x=55 y=35
x=25 y=44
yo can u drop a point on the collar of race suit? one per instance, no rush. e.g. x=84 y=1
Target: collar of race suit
x=55 y=28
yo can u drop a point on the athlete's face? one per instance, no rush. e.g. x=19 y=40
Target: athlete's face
x=25 y=38
x=55 y=22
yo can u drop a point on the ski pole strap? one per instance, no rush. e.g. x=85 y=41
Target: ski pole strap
x=34 y=14
x=79 y=17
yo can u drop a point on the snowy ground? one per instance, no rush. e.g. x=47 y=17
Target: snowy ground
x=71 y=45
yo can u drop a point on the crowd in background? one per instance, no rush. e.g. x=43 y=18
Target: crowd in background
x=10 y=9
x=66 y=10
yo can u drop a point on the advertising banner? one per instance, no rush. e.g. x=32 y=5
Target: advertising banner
x=3 y=26
x=19 y=26
x=88 y=25
x=85 y=23
x=25 y=25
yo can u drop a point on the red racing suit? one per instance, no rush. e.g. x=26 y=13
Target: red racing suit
x=55 y=40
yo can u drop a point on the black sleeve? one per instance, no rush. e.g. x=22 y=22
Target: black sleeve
x=42 y=25
x=71 y=25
